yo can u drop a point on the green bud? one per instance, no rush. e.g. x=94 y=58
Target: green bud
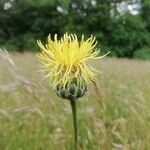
x=71 y=91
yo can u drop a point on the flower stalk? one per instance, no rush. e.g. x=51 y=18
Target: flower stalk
x=74 y=115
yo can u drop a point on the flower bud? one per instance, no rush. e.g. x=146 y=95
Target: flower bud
x=71 y=91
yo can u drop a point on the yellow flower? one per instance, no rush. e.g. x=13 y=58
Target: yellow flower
x=66 y=60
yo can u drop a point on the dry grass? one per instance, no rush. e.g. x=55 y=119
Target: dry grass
x=41 y=121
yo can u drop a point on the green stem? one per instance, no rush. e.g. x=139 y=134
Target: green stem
x=74 y=115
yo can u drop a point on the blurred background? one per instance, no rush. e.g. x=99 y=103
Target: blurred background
x=121 y=26
x=32 y=117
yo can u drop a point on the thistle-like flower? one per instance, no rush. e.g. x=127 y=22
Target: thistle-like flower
x=65 y=62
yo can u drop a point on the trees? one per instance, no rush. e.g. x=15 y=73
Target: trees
x=24 y=21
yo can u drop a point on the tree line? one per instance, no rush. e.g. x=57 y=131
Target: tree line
x=117 y=29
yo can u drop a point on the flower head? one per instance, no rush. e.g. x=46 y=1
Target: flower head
x=66 y=60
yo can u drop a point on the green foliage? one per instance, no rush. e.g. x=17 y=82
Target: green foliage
x=143 y=53
x=26 y=21
x=145 y=13
x=128 y=35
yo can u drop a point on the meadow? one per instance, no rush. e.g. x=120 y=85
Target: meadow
x=36 y=119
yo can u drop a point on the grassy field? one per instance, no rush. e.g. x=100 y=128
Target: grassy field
x=39 y=120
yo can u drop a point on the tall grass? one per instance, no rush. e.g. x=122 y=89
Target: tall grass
x=39 y=121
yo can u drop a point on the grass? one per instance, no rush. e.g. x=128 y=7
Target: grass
x=41 y=121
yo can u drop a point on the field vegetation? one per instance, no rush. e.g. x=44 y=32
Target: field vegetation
x=34 y=118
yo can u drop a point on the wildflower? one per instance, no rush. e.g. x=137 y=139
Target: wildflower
x=65 y=62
